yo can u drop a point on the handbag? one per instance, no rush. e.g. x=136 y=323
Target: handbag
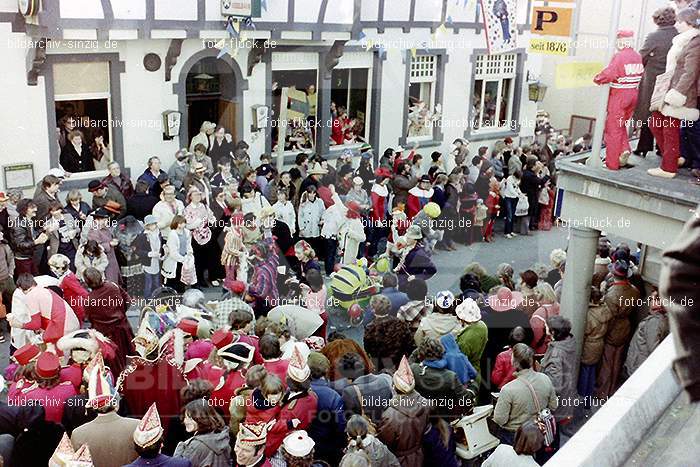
x=544 y=196
x=523 y=206
x=545 y=419
x=661 y=87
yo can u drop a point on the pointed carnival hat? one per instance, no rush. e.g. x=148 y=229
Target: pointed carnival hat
x=81 y=458
x=298 y=370
x=252 y=434
x=149 y=429
x=96 y=360
x=403 y=378
x=146 y=340
x=63 y=453
x=100 y=391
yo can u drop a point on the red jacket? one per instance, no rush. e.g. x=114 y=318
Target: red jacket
x=417 y=199
x=493 y=202
x=52 y=399
x=255 y=413
x=300 y=406
x=502 y=372
x=624 y=71
x=277 y=367
x=74 y=294
x=222 y=397
x=378 y=207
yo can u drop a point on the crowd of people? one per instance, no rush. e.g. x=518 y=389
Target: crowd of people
x=260 y=376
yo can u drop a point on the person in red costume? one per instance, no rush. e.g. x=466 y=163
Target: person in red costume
x=48 y=311
x=73 y=291
x=419 y=196
x=155 y=374
x=298 y=404
x=623 y=74
x=46 y=389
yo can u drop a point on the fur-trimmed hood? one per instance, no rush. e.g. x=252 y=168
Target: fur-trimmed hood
x=681 y=99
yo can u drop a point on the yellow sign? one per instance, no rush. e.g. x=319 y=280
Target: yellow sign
x=548 y=46
x=551 y=21
x=576 y=74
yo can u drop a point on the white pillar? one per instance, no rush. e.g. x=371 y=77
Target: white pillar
x=576 y=292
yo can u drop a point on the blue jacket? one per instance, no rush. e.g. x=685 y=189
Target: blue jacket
x=396 y=297
x=328 y=427
x=161 y=461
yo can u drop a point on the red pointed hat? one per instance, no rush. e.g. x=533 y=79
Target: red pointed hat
x=47 y=365
x=298 y=370
x=149 y=429
x=404 y=381
x=100 y=392
x=26 y=354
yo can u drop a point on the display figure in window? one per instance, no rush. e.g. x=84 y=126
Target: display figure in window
x=624 y=73
x=500 y=11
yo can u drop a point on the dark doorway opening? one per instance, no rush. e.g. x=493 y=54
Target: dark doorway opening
x=211 y=96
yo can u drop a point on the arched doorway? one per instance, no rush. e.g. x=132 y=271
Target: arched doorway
x=210 y=95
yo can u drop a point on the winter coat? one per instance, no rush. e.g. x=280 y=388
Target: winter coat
x=378 y=453
x=140 y=205
x=530 y=185
x=328 y=427
x=309 y=218
x=376 y=391
x=620 y=299
x=73 y=162
x=173 y=245
x=502 y=372
x=680 y=285
x=436 y=325
x=516 y=405
x=206 y=450
x=401 y=184
x=442 y=387
x=653 y=52
x=165 y=213
x=651 y=331
x=456 y=361
x=83 y=261
x=110 y=439
x=472 y=342
x=418 y=263
x=559 y=363
x=538 y=323
x=435 y=453
x=597 y=322
x=402 y=427
x=683 y=60
x=396 y=297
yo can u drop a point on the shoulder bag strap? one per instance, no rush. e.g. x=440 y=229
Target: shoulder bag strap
x=534 y=395
x=359 y=398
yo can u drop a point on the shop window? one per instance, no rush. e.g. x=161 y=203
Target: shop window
x=349 y=105
x=423 y=110
x=492 y=95
x=302 y=111
x=82 y=103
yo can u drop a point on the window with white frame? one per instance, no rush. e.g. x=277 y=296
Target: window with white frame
x=493 y=92
x=423 y=111
x=82 y=103
x=349 y=105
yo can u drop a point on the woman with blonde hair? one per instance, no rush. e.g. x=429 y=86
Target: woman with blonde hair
x=547 y=307
x=504 y=273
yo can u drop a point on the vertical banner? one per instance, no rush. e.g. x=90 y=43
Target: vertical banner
x=500 y=25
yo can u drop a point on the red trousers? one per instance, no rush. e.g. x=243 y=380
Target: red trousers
x=667 y=132
x=620 y=109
